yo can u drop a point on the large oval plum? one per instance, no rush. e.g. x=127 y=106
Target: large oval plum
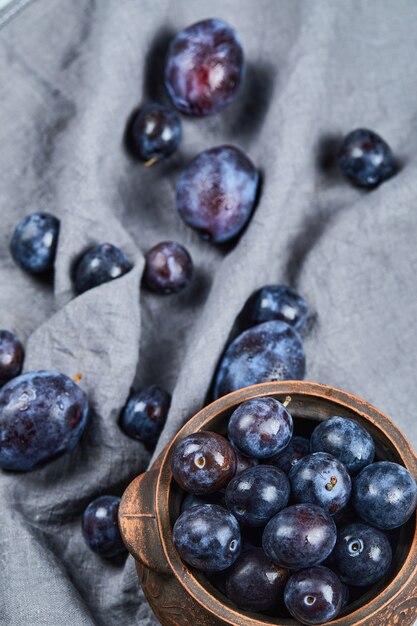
x=11 y=356
x=271 y=351
x=216 y=193
x=42 y=415
x=204 y=67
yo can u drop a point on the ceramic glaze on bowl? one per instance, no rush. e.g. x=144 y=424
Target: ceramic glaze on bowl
x=181 y=596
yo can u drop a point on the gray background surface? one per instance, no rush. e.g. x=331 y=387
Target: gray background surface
x=71 y=74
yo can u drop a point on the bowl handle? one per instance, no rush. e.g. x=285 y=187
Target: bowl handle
x=138 y=524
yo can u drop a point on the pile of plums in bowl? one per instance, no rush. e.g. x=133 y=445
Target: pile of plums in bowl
x=284 y=524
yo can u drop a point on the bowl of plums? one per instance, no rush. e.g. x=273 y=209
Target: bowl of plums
x=282 y=503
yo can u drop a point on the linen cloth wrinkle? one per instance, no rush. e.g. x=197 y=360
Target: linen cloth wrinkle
x=72 y=74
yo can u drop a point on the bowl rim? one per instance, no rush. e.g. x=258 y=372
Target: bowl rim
x=186 y=577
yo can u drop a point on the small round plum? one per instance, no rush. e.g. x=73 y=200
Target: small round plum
x=346 y=440
x=254 y=583
x=267 y=352
x=260 y=427
x=34 y=242
x=362 y=555
x=99 y=265
x=366 y=158
x=203 y=463
x=314 y=595
x=204 y=68
x=156 y=133
x=145 y=414
x=207 y=537
x=100 y=527
x=385 y=495
x=11 y=356
x=216 y=193
x=277 y=302
x=321 y=479
x=257 y=494
x=168 y=268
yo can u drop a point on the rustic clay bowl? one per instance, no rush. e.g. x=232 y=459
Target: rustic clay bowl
x=181 y=596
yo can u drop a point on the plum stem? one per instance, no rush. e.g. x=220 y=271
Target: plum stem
x=332 y=483
x=77 y=377
x=287 y=401
x=151 y=161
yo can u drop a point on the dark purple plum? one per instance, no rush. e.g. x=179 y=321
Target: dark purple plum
x=204 y=67
x=277 y=302
x=301 y=535
x=321 y=479
x=145 y=414
x=260 y=427
x=168 y=268
x=366 y=158
x=191 y=500
x=346 y=440
x=156 y=133
x=34 y=242
x=42 y=415
x=257 y=494
x=203 y=463
x=385 y=495
x=314 y=595
x=243 y=462
x=207 y=537
x=99 y=265
x=254 y=583
x=298 y=448
x=216 y=193
x=362 y=555
x=268 y=352
x=11 y=356
x=101 y=529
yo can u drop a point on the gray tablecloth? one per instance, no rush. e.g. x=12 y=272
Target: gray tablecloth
x=71 y=73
